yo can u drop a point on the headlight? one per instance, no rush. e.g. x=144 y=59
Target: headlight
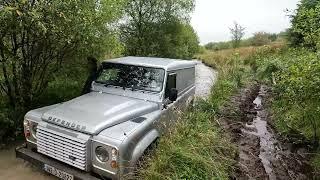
x=30 y=130
x=102 y=154
x=34 y=127
x=26 y=125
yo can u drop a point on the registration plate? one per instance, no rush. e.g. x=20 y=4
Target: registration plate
x=56 y=172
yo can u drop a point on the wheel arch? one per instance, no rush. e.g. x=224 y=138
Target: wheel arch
x=143 y=145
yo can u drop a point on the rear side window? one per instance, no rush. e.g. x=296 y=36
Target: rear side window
x=171 y=83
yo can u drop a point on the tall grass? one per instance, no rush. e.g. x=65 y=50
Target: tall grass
x=194 y=149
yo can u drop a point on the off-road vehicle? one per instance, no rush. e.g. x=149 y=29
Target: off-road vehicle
x=105 y=132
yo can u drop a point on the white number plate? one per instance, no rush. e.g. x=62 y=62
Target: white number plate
x=56 y=172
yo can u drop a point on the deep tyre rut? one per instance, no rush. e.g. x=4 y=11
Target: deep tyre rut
x=260 y=154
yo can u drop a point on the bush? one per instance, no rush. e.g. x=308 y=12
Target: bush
x=177 y=40
x=38 y=39
x=260 y=39
x=10 y=124
x=297 y=88
x=7 y=125
x=62 y=87
x=305 y=25
x=316 y=165
x=218 y=45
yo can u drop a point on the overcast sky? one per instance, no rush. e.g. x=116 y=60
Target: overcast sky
x=212 y=18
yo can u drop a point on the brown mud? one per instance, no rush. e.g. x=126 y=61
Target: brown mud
x=261 y=152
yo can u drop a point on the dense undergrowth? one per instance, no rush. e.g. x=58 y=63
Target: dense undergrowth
x=197 y=148
x=62 y=87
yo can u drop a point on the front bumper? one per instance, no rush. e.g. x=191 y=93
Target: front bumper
x=39 y=160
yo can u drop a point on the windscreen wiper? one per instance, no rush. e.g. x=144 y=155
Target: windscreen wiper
x=110 y=84
x=107 y=84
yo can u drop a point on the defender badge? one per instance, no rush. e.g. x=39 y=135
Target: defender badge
x=67 y=124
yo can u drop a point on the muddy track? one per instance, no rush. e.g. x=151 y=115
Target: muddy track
x=261 y=153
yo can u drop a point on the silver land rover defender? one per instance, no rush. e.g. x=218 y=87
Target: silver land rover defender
x=105 y=132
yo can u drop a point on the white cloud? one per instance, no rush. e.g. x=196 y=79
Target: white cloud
x=212 y=18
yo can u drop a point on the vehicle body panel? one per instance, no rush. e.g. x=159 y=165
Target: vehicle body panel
x=96 y=111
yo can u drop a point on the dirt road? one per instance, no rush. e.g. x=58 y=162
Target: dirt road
x=15 y=169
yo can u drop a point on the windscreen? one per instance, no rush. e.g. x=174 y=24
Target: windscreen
x=133 y=77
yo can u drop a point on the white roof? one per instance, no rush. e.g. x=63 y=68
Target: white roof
x=168 y=64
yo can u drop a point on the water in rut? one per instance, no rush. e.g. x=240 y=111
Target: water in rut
x=267 y=141
x=261 y=155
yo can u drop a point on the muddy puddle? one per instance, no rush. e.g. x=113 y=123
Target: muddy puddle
x=17 y=169
x=261 y=155
x=259 y=128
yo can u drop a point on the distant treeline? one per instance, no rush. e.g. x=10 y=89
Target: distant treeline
x=258 y=39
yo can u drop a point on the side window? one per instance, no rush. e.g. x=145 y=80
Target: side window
x=171 y=83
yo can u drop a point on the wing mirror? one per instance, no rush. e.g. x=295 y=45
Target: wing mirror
x=173 y=94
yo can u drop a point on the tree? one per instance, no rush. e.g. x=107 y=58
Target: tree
x=305 y=28
x=260 y=39
x=219 y=45
x=237 y=32
x=155 y=28
x=177 y=40
x=38 y=36
x=272 y=36
x=283 y=34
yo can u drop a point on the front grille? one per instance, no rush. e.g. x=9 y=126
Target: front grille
x=65 y=148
